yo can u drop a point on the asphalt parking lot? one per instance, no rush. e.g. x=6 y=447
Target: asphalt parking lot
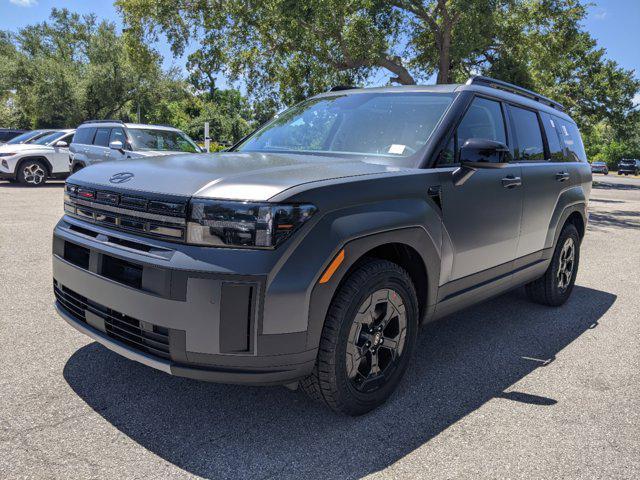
x=506 y=389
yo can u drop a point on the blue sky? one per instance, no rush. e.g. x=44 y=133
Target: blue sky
x=614 y=23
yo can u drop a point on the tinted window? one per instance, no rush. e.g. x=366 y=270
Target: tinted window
x=551 y=129
x=117 y=134
x=574 y=149
x=84 y=136
x=483 y=120
x=388 y=125
x=102 y=137
x=162 y=140
x=67 y=138
x=527 y=130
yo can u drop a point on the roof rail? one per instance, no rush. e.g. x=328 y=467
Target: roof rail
x=102 y=121
x=339 y=88
x=509 y=87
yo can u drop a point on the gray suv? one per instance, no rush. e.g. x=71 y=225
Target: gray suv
x=102 y=140
x=311 y=252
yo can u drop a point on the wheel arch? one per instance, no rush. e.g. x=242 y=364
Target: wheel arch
x=412 y=248
x=571 y=206
x=44 y=160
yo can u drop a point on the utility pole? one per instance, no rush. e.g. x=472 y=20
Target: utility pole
x=207 y=140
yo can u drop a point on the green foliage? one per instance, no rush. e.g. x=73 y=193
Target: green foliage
x=73 y=68
x=286 y=50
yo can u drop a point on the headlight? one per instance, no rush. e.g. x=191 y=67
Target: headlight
x=244 y=224
x=7 y=154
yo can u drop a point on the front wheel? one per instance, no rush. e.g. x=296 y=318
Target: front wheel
x=556 y=285
x=367 y=339
x=32 y=173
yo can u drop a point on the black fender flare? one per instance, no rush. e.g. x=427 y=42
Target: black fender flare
x=74 y=163
x=570 y=201
x=415 y=237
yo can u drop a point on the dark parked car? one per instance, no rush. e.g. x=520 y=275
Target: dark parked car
x=311 y=252
x=599 y=167
x=629 y=167
x=7 y=134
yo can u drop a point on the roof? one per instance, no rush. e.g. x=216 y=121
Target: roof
x=118 y=123
x=478 y=84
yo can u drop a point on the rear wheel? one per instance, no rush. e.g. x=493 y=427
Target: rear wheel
x=556 y=285
x=367 y=339
x=33 y=173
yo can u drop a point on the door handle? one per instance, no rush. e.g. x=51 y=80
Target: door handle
x=562 y=176
x=511 y=182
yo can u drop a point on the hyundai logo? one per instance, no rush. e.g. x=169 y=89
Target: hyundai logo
x=121 y=177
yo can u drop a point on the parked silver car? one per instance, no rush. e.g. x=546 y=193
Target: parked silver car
x=102 y=140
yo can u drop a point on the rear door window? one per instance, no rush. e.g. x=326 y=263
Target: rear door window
x=84 y=136
x=556 y=149
x=530 y=146
x=102 y=137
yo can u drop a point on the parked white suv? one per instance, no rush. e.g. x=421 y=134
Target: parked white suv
x=102 y=140
x=32 y=163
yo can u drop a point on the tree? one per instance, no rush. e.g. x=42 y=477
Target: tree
x=72 y=68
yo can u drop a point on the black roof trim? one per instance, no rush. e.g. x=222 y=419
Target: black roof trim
x=339 y=88
x=102 y=121
x=511 y=88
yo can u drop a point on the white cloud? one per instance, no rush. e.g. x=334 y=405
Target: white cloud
x=600 y=14
x=24 y=3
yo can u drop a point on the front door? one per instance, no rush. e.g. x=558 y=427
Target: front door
x=482 y=216
x=60 y=157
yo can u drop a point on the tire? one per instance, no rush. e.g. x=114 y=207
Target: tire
x=554 y=287
x=77 y=167
x=373 y=315
x=33 y=173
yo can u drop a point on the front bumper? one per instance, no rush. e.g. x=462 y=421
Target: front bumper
x=160 y=305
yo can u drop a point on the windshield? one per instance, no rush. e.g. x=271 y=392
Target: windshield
x=390 y=125
x=26 y=136
x=163 y=140
x=47 y=139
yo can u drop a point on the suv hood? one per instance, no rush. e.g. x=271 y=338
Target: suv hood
x=233 y=176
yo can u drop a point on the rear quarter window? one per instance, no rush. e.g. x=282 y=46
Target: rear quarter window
x=84 y=136
x=572 y=141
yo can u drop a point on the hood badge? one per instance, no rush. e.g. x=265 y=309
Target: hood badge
x=121 y=177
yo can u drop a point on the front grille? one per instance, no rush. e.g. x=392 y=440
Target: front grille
x=142 y=336
x=153 y=216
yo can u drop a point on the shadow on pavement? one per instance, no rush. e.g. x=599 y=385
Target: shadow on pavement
x=246 y=432
x=614 y=218
x=603 y=185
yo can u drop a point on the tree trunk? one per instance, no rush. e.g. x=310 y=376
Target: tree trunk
x=444 y=55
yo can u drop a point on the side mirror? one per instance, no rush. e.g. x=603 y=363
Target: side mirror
x=116 y=145
x=483 y=153
x=61 y=144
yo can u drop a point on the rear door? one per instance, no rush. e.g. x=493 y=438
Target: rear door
x=544 y=173
x=482 y=216
x=99 y=151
